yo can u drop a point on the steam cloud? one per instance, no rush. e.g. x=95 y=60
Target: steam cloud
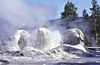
x=21 y=13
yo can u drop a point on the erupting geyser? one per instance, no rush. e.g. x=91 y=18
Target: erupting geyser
x=49 y=44
x=18 y=41
x=48 y=39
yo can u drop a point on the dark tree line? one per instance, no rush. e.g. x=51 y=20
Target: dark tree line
x=95 y=16
x=70 y=10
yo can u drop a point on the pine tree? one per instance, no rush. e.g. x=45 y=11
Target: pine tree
x=98 y=24
x=95 y=16
x=85 y=14
x=94 y=8
x=69 y=9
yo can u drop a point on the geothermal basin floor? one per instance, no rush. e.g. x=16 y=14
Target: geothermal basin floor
x=74 y=61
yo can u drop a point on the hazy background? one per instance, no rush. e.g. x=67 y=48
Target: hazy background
x=33 y=13
x=36 y=12
x=22 y=13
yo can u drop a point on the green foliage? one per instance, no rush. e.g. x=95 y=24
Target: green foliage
x=94 y=8
x=69 y=10
x=85 y=14
x=95 y=16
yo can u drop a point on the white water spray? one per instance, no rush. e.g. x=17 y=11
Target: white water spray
x=48 y=39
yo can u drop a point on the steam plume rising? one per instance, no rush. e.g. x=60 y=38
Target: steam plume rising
x=21 y=13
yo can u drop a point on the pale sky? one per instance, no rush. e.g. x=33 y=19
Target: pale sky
x=80 y=4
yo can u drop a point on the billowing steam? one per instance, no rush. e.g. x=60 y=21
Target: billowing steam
x=22 y=13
